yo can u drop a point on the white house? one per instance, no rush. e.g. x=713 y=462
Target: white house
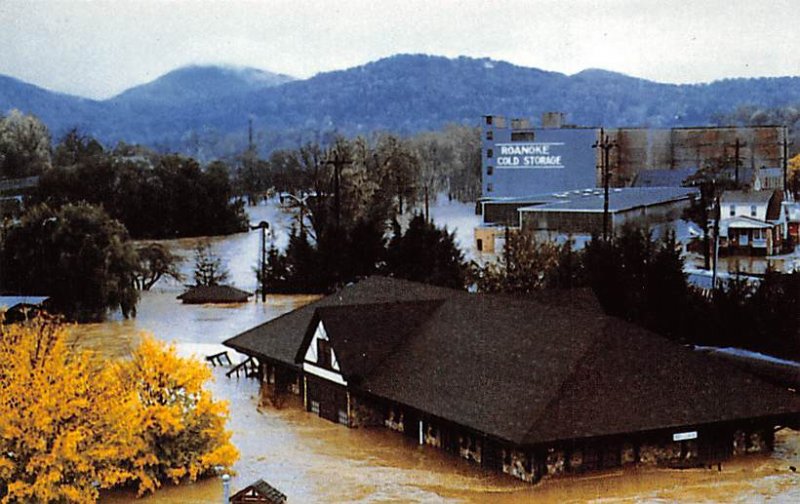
x=751 y=222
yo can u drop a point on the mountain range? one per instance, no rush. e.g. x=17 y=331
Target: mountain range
x=205 y=110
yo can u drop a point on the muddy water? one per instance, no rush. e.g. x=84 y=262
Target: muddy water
x=312 y=460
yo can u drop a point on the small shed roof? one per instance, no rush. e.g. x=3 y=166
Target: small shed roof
x=261 y=492
x=214 y=294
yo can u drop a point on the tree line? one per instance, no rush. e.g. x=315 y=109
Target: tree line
x=641 y=279
x=359 y=210
x=429 y=163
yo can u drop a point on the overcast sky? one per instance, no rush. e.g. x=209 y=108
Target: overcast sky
x=98 y=49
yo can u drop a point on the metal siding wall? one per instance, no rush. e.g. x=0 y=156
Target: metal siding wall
x=577 y=156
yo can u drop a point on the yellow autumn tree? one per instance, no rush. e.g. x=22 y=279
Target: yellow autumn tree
x=71 y=424
x=181 y=428
x=66 y=423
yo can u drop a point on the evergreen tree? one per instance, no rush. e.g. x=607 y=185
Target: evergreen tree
x=426 y=253
x=208 y=267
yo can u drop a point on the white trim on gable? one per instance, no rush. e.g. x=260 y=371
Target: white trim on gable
x=324 y=373
x=312 y=359
x=319 y=334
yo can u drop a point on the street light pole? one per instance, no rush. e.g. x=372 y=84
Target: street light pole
x=262 y=270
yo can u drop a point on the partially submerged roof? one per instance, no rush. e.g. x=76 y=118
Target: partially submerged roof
x=260 y=491
x=10 y=302
x=214 y=294
x=517 y=369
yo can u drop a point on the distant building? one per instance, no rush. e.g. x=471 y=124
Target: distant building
x=520 y=160
x=752 y=222
x=516 y=386
x=523 y=164
x=579 y=213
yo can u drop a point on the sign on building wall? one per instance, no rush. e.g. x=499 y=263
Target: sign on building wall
x=684 y=436
x=529 y=155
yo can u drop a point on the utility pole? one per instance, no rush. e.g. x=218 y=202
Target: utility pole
x=736 y=160
x=606 y=146
x=717 y=214
x=785 y=164
x=338 y=162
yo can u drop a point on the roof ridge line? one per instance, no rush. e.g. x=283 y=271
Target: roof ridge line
x=588 y=353
x=439 y=303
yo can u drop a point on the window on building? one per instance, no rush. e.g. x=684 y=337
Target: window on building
x=490 y=135
x=324 y=353
x=489 y=120
x=315 y=407
x=522 y=136
x=489 y=170
x=489 y=187
x=479 y=245
x=343 y=418
x=752 y=210
x=489 y=153
x=733 y=210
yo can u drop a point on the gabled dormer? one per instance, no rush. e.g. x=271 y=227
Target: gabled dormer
x=343 y=344
x=320 y=357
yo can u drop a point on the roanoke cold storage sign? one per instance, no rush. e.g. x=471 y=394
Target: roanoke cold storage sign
x=529 y=155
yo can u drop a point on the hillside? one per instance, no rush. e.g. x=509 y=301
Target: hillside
x=205 y=110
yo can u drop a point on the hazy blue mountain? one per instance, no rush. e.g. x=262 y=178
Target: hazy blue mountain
x=55 y=109
x=205 y=110
x=196 y=83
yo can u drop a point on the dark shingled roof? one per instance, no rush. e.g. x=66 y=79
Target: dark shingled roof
x=280 y=338
x=377 y=331
x=214 y=294
x=517 y=369
x=261 y=489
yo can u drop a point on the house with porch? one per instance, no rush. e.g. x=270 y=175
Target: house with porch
x=752 y=222
x=520 y=386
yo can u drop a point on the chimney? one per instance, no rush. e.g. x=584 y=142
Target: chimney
x=553 y=120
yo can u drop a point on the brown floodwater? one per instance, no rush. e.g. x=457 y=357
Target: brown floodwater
x=313 y=460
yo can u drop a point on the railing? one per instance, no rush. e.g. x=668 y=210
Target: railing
x=217 y=359
x=248 y=366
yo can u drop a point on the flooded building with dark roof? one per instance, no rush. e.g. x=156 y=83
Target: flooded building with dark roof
x=518 y=386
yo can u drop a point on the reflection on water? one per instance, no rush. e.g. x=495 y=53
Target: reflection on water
x=312 y=460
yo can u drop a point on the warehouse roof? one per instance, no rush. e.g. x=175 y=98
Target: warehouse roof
x=619 y=199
